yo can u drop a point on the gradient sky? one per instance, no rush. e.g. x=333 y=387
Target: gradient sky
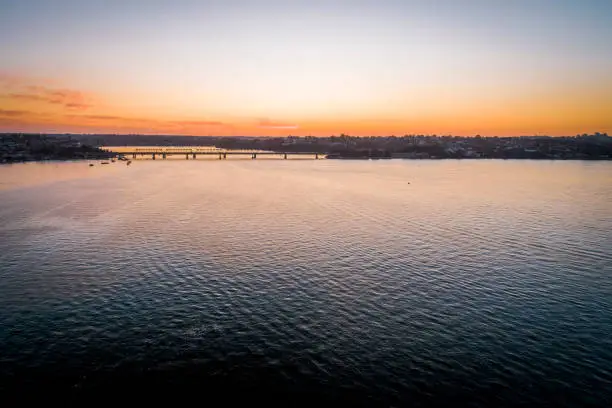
x=306 y=67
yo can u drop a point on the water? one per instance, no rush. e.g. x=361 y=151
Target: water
x=362 y=282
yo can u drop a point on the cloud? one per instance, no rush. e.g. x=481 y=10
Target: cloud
x=143 y=123
x=76 y=105
x=112 y=118
x=197 y=123
x=99 y=117
x=26 y=97
x=149 y=121
x=78 y=108
x=68 y=98
x=13 y=113
x=17 y=118
x=268 y=124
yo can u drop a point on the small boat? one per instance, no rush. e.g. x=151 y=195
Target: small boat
x=128 y=162
x=91 y=165
x=112 y=160
x=104 y=163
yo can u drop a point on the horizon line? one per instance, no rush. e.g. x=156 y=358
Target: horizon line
x=296 y=136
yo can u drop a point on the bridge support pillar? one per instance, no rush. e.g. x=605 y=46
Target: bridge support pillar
x=224 y=156
x=220 y=156
x=164 y=156
x=254 y=156
x=187 y=156
x=153 y=156
x=193 y=156
x=134 y=156
x=285 y=156
x=317 y=156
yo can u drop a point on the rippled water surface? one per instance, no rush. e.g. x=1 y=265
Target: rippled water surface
x=369 y=282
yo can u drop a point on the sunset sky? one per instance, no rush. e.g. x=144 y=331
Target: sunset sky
x=306 y=67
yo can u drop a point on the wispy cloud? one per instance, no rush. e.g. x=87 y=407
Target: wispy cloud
x=13 y=113
x=68 y=98
x=268 y=124
x=98 y=117
x=21 y=89
x=27 y=97
x=197 y=123
x=49 y=105
x=77 y=105
x=135 y=122
x=17 y=118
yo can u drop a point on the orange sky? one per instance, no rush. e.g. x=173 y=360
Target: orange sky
x=303 y=68
x=30 y=105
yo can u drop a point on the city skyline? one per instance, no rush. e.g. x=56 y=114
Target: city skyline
x=306 y=68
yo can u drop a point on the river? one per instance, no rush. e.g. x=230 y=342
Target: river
x=365 y=282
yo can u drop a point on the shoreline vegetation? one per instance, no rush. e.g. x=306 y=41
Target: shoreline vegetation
x=19 y=147
x=16 y=148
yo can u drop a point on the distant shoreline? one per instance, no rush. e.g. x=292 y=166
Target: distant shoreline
x=32 y=147
x=472 y=158
x=56 y=159
x=17 y=148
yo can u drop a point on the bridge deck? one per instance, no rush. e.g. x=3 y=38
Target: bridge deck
x=213 y=153
x=193 y=153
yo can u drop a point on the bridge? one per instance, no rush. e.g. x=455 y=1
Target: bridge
x=164 y=152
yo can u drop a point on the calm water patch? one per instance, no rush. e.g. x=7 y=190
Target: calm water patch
x=369 y=282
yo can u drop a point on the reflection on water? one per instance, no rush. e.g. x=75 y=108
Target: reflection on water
x=375 y=282
x=20 y=175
